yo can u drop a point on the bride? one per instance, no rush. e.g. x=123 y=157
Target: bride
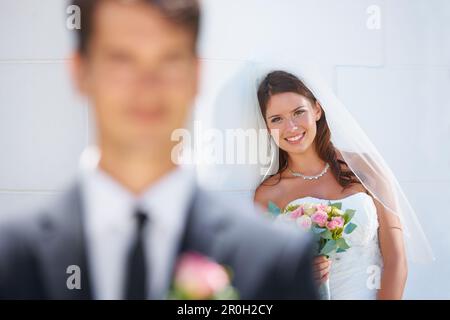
x=323 y=155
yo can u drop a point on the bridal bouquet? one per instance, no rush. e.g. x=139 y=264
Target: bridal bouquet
x=199 y=278
x=328 y=222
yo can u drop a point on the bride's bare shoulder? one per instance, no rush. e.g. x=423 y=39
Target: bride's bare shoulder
x=269 y=190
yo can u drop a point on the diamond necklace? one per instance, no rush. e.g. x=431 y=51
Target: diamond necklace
x=297 y=174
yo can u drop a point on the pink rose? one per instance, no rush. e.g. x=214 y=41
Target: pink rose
x=297 y=213
x=336 y=222
x=198 y=277
x=304 y=222
x=320 y=218
x=322 y=207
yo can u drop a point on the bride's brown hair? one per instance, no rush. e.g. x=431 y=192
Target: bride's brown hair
x=280 y=82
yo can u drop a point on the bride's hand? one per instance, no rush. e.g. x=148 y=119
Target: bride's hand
x=321 y=268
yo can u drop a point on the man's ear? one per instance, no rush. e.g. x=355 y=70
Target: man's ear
x=78 y=72
x=318 y=110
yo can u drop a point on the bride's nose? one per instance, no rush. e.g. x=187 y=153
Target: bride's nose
x=292 y=126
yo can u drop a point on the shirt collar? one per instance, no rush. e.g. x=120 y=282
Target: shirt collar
x=167 y=201
x=109 y=204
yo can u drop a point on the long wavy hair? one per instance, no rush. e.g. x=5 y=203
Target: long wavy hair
x=280 y=82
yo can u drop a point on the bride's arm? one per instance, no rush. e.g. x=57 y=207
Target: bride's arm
x=395 y=268
x=266 y=193
x=260 y=197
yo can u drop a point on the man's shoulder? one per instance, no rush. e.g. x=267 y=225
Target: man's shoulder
x=25 y=225
x=18 y=239
x=20 y=223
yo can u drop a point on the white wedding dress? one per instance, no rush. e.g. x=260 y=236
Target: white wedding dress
x=355 y=274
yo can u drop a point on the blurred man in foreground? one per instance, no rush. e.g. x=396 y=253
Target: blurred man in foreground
x=122 y=225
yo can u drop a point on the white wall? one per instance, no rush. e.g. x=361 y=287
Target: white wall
x=394 y=79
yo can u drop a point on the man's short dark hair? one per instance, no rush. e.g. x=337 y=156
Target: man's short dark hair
x=184 y=13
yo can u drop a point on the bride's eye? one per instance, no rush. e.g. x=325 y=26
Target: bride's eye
x=275 y=120
x=298 y=113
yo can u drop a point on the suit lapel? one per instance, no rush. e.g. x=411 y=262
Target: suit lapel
x=204 y=227
x=63 y=249
x=188 y=241
x=211 y=231
x=200 y=229
x=181 y=246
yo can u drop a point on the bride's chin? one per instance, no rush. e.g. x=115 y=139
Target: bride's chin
x=295 y=149
x=300 y=148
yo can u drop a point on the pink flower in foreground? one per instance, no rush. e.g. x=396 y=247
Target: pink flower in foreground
x=336 y=222
x=320 y=218
x=297 y=213
x=304 y=222
x=200 y=278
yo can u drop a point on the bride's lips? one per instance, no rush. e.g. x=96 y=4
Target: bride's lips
x=295 y=139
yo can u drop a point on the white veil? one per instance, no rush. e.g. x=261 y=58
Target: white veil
x=347 y=136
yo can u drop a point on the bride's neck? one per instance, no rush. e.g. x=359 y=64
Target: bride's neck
x=307 y=163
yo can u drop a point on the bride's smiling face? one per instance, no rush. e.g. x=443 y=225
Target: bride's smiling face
x=293 y=118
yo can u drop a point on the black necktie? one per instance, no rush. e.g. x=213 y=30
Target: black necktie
x=136 y=275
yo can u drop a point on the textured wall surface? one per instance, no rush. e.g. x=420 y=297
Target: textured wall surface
x=394 y=77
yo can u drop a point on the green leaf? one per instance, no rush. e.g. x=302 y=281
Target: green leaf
x=273 y=208
x=337 y=233
x=291 y=207
x=342 y=244
x=327 y=235
x=346 y=218
x=336 y=205
x=348 y=215
x=317 y=230
x=339 y=250
x=228 y=293
x=329 y=247
x=349 y=228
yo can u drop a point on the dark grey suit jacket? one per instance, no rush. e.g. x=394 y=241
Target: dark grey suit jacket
x=268 y=262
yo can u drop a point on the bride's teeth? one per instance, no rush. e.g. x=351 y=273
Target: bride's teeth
x=296 y=138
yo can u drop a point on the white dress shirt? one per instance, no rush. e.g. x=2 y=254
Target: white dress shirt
x=109 y=226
